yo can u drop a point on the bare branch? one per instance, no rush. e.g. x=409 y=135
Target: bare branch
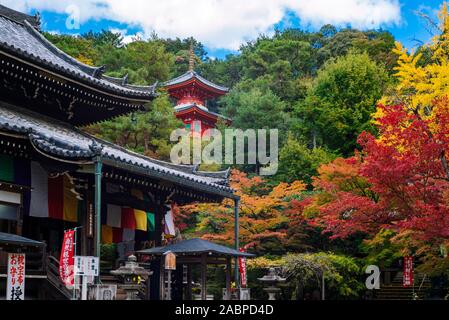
x=429 y=23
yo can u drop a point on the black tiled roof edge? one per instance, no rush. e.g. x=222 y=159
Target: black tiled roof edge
x=56 y=142
x=223 y=174
x=192 y=74
x=205 y=110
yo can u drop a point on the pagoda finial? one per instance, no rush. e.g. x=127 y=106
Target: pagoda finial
x=191 y=57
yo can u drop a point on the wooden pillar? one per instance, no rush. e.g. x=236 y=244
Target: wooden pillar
x=159 y=261
x=203 y=277
x=189 y=282
x=228 y=278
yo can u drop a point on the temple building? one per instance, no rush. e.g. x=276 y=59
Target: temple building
x=191 y=92
x=55 y=177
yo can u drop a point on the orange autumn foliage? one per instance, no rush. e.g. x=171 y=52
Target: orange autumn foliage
x=261 y=212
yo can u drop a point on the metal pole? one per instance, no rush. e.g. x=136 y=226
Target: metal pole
x=237 y=243
x=98 y=174
x=74 y=275
x=74 y=253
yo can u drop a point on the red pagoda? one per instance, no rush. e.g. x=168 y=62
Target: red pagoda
x=191 y=92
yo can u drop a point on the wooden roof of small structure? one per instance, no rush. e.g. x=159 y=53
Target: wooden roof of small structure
x=195 y=246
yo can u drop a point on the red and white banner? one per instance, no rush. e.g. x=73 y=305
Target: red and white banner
x=408 y=272
x=15 y=289
x=242 y=269
x=67 y=261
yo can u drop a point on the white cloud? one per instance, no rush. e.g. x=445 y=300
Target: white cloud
x=223 y=23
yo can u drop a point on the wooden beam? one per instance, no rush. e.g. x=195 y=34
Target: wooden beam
x=158 y=217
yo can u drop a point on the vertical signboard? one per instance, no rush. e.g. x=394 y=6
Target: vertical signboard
x=408 y=272
x=15 y=289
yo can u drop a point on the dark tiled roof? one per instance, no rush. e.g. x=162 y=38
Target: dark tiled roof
x=20 y=37
x=194 y=247
x=20 y=17
x=12 y=239
x=60 y=139
x=191 y=75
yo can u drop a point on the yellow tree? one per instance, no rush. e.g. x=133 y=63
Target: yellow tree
x=421 y=84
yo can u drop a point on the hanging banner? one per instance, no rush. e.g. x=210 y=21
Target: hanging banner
x=242 y=269
x=66 y=261
x=15 y=289
x=408 y=272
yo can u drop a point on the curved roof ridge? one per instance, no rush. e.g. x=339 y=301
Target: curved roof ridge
x=193 y=74
x=123 y=82
x=120 y=81
x=210 y=83
x=180 y=108
x=20 y=17
x=22 y=39
x=92 y=71
x=178 y=78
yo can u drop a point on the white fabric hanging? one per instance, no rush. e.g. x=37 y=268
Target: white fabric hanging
x=169 y=223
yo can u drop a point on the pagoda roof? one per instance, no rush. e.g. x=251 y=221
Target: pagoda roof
x=20 y=38
x=191 y=76
x=200 y=108
x=60 y=140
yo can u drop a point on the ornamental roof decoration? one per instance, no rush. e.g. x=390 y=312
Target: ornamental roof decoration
x=20 y=37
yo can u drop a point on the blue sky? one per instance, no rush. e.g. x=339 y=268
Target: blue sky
x=222 y=25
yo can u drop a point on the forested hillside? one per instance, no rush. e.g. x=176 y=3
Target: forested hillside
x=363 y=165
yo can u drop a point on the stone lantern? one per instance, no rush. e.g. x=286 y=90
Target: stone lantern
x=130 y=276
x=271 y=280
